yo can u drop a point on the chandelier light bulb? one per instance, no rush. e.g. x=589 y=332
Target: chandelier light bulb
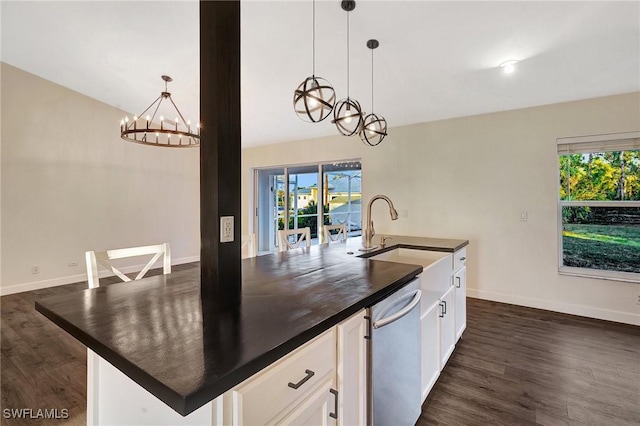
x=508 y=67
x=126 y=119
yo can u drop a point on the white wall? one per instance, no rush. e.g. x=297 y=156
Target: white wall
x=470 y=178
x=70 y=184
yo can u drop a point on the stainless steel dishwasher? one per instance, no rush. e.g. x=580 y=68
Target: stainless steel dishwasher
x=395 y=358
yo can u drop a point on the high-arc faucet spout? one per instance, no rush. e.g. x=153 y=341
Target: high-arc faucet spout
x=369 y=231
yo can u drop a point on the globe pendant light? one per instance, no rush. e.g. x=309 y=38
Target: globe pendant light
x=347 y=114
x=374 y=128
x=314 y=98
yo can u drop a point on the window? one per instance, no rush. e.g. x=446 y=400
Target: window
x=316 y=195
x=599 y=206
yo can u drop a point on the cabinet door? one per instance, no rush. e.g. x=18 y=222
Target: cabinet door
x=352 y=370
x=460 y=284
x=271 y=394
x=447 y=326
x=430 y=352
x=319 y=409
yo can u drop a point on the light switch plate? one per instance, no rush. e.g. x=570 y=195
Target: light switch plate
x=226 y=229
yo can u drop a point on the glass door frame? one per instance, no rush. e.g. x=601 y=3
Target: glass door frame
x=286 y=168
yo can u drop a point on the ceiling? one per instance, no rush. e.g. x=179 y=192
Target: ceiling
x=436 y=60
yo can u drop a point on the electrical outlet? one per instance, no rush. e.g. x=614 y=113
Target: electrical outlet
x=404 y=214
x=226 y=229
x=638 y=301
x=73 y=264
x=35 y=269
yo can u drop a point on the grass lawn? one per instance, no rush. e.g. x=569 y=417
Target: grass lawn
x=609 y=247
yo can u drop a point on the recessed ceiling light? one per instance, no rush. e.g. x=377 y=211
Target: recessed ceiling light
x=508 y=66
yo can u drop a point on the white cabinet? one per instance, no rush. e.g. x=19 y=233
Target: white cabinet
x=316 y=409
x=324 y=382
x=352 y=371
x=460 y=289
x=429 y=351
x=274 y=393
x=446 y=319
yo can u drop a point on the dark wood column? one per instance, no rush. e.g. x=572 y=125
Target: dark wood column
x=220 y=153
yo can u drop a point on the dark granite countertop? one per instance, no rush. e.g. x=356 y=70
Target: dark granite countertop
x=160 y=333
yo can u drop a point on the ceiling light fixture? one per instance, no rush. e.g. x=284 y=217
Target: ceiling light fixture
x=374 y=128
x=314 y=98
x=347 y=114
x=508 y=66
x=171 y=134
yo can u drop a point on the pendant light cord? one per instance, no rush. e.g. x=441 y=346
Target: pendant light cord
x=347 y=55
x=313 y=48
x=372 y=81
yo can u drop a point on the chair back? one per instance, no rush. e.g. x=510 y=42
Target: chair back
x=104 y=258
x=301 y=234
x=249 y=246
x=340 y=235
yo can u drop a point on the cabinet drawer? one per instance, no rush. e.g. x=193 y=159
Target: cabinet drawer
x=459 y=259
x=266 y=397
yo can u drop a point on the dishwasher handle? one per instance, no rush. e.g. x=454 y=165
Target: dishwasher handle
x=391 y=318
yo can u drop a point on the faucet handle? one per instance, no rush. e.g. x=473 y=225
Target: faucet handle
x=383 y=239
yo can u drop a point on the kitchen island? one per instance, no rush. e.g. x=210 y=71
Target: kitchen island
x=163 y=336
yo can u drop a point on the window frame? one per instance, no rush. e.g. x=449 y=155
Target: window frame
x=614 y=139
x=254 y=222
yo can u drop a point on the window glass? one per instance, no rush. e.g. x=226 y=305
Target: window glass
x=599 y=193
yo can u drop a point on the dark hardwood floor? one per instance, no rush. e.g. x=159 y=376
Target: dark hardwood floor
x=523 y=366
x=513 y=366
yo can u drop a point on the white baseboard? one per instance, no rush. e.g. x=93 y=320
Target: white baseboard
x=54 y=282
x=581 y=310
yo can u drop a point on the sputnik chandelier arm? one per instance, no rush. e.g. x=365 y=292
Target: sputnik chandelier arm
x=374 y=128
x=314 y=98
x=347 y=114
x=145 y=131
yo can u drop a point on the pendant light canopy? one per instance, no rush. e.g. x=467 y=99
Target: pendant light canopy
x=171 y=134
x=347 y=114
x=374 y=128
x=314 y=98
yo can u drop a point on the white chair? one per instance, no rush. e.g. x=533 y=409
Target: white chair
x=301 y=234
x=340 y=235
x=104 y=258
x=249 y=246
x=95 y=258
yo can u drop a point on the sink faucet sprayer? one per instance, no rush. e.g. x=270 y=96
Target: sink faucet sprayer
x=369 y=232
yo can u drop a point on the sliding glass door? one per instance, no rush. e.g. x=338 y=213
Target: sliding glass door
x=300 y=196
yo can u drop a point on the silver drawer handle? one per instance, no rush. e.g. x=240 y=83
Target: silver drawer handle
x=459 y=282
x=463 y=258
x=309 y=374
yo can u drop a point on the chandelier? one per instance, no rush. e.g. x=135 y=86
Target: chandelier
x=374 y=128
x=347 y=113
x=144 y=130
x=314 y=98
